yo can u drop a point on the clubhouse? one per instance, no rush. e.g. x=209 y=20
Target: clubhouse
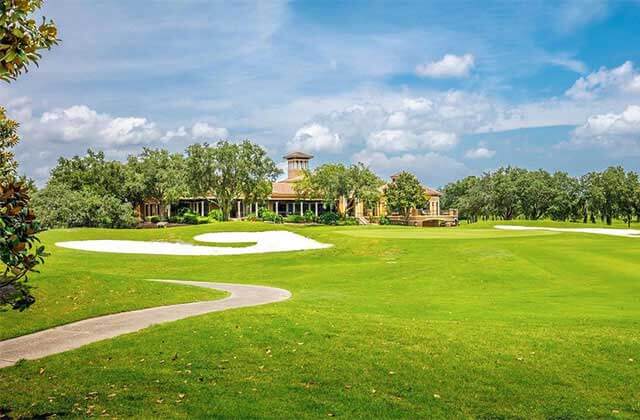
x=284 y=201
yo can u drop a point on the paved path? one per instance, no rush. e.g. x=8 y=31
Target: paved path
x=77 y=334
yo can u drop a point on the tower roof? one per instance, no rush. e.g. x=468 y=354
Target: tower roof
x=298 y=155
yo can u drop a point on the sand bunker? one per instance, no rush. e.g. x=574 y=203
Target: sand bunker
x=629 y=233
x=271 y=241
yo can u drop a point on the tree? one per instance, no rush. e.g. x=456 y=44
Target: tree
x=228 y=171
x=405 y=194
x=21 y=38
x=20 y=41
x=161 y=174
x=534 y=191
x=58 y=206
x=332 y=182
x=612 y=182
x=8 y=140
x=327 y=182
x=93 y=173
x=257 y=172
x=363 y=186
x=504 y=192
x=627 y=204
x=566 y=201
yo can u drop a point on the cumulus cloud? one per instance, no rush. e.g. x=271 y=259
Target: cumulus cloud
x=432 y=168
x=449 y=66
x=621 y=79
x=619 y=133
x=79 y=122
x=204 y=131
x=404 y=140
x=316 y=137
x=480 y=152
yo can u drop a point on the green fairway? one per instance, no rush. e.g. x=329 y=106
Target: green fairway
x=390 y=322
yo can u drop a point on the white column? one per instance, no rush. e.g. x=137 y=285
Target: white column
x=256 y=209
x=239 y=213
x=301 y=208
x=168 y=211
x=276 y=208
x=316 y=209
x=202 y=208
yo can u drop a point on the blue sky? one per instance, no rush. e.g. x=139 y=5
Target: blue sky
x=441 y=88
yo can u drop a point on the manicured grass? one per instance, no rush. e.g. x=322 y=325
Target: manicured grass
x=390 y=322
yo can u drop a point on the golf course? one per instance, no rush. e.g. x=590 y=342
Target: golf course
x=389 y=321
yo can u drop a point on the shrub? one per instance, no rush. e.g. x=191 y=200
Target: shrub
x=269 y=216
x=153 y=219
x=294 y=218
x=190 y=218
x=349 y=221
x=182 y=210
x=384 y=220
x=216 y=215
x=309 y=216
x=329 y=218
x=58 y=206
x=203 y=220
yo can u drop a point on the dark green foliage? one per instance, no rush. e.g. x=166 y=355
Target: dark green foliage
x=216 y=215
x=329 y=218
x=294 y=218
x=20 y=251
x=153 y=219
x=190 y=218
x=510 y=192
x=58 y=206
x=269 y=216
x=228 y=171
x=384 y=220
x=309 y=216
x=21 y=37
x=404 y=194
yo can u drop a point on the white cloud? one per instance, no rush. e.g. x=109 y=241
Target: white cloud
x=620 y=79
x=480 y=152
x=79 y=123
x=599 y=126
x=417 y=104
x=450 y=66
x=618 y=133
x=181 y=132
x=397 y=119
x=316 y=137
x=568 y=63
x=433 y=168
x=204 y=131
x=403 y=140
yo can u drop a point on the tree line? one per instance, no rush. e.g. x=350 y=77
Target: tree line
x=93 y=191
x=512 y=192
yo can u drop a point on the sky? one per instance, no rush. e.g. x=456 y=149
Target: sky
x=443 y=89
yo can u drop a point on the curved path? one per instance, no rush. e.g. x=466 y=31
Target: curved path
x=77 y=334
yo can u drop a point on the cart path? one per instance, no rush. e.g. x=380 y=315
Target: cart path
x=77 y=334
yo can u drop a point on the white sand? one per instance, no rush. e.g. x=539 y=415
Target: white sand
x=629 y=233
x=271 y=241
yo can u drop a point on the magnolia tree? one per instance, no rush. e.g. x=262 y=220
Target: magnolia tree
x=21 y=39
